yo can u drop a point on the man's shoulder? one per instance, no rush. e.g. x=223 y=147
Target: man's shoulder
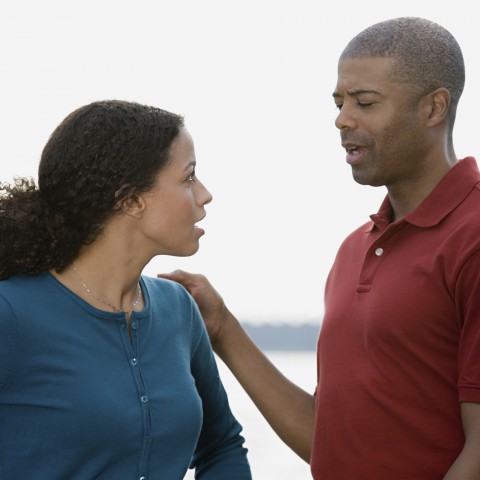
x=467 y=212
x=360 y=232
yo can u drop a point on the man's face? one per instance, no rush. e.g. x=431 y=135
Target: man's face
x=379 y=123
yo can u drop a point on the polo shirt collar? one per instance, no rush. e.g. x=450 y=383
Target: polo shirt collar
x=452 y=189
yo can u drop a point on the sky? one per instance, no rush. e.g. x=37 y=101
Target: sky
x=254 y=80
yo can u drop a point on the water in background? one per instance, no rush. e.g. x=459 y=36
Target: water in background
x=270 y=458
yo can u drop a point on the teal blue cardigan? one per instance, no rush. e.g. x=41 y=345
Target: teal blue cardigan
x=80 y=399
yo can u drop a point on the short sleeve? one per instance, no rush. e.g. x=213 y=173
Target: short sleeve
x=468 y=305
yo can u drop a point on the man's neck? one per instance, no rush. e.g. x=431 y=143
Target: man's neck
x=406 y=197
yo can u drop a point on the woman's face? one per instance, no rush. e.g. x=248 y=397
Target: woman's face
x=176 y=203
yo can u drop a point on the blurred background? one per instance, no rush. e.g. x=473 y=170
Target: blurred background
x=254 y=79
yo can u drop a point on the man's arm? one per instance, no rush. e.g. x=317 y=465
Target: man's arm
x=467 y=465
x=288 y=409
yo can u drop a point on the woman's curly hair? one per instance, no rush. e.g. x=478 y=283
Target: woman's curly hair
x=100 y=155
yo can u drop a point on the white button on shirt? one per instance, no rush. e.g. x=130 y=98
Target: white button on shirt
x=379 y=252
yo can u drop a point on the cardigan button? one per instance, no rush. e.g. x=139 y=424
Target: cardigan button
x=379 y=252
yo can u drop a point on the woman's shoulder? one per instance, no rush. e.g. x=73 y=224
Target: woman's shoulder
x=166 y=289
x=21 y=283
x=162 y=284
x=22 y=291
x=169 y=299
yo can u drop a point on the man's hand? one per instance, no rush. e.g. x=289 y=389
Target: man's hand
x=209 y=301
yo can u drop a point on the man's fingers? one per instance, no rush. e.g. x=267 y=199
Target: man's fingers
x=177 y=276
x=180 y=276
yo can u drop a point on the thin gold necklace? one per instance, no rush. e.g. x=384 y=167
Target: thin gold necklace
x=135 y=303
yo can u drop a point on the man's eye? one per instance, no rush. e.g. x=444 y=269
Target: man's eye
x=339 y=106
x=365 y=104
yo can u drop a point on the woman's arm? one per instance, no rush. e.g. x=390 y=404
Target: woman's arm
x=220 y=451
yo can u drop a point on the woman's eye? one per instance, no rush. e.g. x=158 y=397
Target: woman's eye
x=191 y=177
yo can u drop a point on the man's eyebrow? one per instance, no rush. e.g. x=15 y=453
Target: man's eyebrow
x=357 y=91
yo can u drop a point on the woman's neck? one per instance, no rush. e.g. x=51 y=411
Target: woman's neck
x=106 y=274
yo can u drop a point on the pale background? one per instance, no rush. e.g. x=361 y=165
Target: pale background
x=254 y=80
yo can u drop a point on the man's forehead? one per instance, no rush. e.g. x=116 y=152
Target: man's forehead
x=365 y=74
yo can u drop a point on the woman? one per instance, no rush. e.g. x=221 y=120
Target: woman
x=106 y=374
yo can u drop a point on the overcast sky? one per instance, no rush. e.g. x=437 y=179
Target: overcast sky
x=254 y=80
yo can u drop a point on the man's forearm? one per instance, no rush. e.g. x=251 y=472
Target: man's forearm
x=288 y=409
x=467 y=465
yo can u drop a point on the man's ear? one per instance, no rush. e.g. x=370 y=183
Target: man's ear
x=437 y=104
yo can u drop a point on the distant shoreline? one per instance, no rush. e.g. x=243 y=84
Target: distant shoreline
x=284 y=337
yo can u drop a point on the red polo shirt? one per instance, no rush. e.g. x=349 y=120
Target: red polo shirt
x=399 y=346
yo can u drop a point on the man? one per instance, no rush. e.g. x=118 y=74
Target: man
x=398 y=394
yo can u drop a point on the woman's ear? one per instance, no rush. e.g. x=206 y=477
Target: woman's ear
x=134 y=205
x=437 y=104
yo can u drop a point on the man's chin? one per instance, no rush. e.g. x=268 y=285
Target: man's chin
x=362 y=178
